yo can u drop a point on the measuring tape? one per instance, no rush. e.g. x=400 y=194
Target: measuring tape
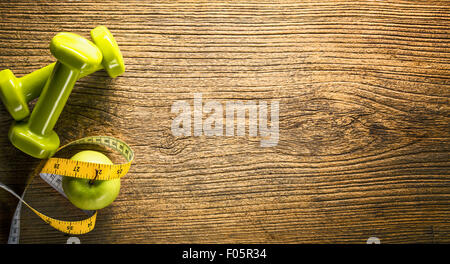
x=53 y=171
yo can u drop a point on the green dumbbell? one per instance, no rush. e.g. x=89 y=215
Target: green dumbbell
x=74 y=54
x=17 y=92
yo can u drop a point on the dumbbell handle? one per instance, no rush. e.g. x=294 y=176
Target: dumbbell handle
x=33 y=83
x=54 y=95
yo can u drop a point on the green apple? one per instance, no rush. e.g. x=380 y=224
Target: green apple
x=87 y=194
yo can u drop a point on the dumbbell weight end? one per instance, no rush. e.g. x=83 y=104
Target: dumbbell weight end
x=17 y=92
x=36 y=136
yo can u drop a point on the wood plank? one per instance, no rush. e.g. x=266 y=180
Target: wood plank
x=363 y=149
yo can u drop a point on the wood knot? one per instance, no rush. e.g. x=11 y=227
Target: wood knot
x=171 y=145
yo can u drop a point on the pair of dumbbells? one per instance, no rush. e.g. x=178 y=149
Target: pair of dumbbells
x=76 y=57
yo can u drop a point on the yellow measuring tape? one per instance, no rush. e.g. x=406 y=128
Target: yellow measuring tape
x=86 y=170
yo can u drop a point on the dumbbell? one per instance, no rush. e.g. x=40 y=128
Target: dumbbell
x=17 y=92
x=74 y=54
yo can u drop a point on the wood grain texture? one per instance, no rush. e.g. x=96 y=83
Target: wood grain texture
x=364 y=122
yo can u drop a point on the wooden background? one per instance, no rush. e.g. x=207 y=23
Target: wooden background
x=364 y=141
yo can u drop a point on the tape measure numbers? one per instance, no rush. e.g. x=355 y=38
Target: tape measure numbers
x=53 y=171
x=89 y=170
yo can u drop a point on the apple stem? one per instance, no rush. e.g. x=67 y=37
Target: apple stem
x=93 y=180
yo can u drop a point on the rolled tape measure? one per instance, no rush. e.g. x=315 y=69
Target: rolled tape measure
x=53 y=171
